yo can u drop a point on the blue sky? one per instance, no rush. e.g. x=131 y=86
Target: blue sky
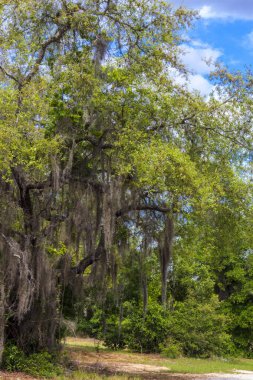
x=224 y=32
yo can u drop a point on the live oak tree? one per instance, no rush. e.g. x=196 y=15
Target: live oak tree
x=95 y=135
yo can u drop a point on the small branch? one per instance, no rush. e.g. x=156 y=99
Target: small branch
x=107 y=6
x=10 y=76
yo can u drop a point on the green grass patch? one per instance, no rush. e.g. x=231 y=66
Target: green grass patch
x=192 y=365
x=78 y=375
x=88 y=344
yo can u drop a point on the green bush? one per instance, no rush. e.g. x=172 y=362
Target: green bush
x=144 y=333
x=200 y=328
x=171 y=349
x=37 y=364
x=13 y=358
x=105 y=325
x=84 y=327
x=113 y=335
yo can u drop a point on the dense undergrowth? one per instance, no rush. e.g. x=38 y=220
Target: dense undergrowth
x=194 y=323
x=40 y=364
x=193 y=330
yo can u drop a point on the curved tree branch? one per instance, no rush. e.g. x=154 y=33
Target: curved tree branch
x=141 y=207
x=41 y=54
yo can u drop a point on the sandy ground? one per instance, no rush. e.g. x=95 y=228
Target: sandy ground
x=118 y=363
x=15 y=376
x=240 y=375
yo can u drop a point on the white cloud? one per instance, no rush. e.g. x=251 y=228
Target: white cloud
x=248 y=41
x=207 y=12
x=199 y=59
x=197 y=55
x=194 y=82
x=212 y=12
x=199 y=83
x=220 y=9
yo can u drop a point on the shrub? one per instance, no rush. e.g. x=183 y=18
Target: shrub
x=144 y=333
x=37 y=364
x=113 y=337
x=200 y=328
x=84 y=327
x=171 y=349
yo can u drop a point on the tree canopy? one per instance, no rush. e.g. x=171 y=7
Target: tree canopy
x=110 y=170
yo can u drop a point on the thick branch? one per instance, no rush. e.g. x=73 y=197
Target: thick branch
x=55 y=38
x=88 y=261
x=39 y=185
x=140 y=207
x=98 y=143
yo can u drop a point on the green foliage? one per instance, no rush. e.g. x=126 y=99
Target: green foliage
x=142 y=332
x=200 y=328
x=84 y=327
x=113 y=335
x=192 y=328
x=57 y=251
x=171 y=349
x=37 y=364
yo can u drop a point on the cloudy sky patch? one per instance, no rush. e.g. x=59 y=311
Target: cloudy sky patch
x=224 y=32
x=221 y=8
x=199 y=57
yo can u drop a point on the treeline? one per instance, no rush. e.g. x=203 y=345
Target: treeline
x=125 y=199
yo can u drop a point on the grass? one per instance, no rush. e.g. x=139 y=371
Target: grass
x=89 y=344
x=93 y=376
x=180 y=365
x=191 y=365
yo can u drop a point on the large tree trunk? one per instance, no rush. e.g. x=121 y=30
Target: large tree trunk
x=30 y=280
x=33 y=297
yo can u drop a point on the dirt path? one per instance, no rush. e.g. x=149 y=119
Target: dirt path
x=151 y=372
x=117 y=363
x=144 y=371
x=15 y=376
x=146 y=367
x=240 y=375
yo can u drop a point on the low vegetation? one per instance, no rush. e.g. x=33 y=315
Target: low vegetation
x=38 y=364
